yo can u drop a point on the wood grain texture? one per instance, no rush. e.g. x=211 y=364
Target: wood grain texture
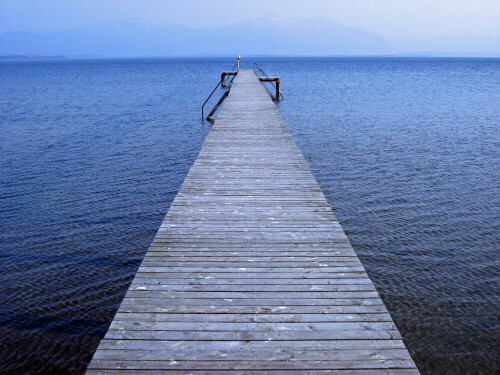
x=250 y=272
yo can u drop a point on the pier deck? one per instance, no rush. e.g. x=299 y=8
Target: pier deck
x=250 y=272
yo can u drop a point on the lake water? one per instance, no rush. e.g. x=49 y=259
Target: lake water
x=406 y=150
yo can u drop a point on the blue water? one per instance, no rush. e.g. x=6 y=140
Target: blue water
x=407 y=152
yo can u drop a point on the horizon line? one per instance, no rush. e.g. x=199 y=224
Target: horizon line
x=213 y=56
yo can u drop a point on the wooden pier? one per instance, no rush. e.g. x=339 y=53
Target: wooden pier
x=250 y=272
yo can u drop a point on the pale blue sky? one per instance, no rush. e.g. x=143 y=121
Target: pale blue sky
x=393 y=19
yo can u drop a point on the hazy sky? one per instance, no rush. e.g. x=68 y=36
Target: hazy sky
x=393 y=19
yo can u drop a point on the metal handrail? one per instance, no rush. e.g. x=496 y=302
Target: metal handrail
x=255 y=65
x=202 y=116
x=203 y=106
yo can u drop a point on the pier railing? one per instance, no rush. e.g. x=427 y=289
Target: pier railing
x=274 y=81
x=206 y=101
x=221 y=83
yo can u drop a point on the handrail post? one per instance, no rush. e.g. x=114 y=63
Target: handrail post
x=278 y=89
x=223 y=79
x=239 y=57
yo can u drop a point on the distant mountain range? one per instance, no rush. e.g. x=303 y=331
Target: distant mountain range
x=313 y=36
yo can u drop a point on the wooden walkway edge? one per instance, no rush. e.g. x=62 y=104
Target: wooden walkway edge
x=250 y=272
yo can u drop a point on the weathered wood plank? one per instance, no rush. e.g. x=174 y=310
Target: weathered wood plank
x=149 y=352
x=309 y=337
x=261 y=372
x=249 y=318
x=251 y=365
x=254 y=288
x=132 y=306
x=250 y=272
x=279 y=303
x=252 y=345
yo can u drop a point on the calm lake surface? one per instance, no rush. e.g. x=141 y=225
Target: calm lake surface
x=92 y=153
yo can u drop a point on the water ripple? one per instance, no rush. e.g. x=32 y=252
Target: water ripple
x=93 y=152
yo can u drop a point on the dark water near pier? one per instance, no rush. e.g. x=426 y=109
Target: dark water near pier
x=407 y=152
